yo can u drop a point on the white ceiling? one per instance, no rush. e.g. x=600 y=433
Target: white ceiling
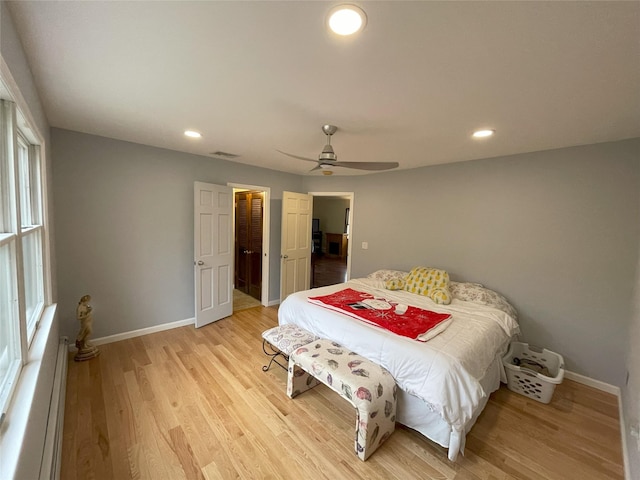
x=258 y=76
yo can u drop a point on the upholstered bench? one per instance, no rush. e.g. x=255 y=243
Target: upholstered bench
x=282 y=340
x=366 y=385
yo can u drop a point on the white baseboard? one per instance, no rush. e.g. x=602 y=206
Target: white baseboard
x=145 y=331
x=591 y=382
x=138 y=333
x=623 y=433
x=576 y=377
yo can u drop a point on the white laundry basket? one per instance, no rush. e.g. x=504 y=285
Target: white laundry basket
x=528 y=382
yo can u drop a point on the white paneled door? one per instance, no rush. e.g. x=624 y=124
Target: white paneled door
x=213 y=262
x=295 y=249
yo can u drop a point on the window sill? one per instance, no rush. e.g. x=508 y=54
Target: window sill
x=28 y=409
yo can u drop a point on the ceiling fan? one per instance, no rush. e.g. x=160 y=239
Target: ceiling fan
x=328 y=159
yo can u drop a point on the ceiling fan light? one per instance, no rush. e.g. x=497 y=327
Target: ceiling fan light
x=192 y=134
x=347 y=19
x=327 y=172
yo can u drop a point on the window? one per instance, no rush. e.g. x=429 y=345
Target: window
x=22 y=275
x=31 y=229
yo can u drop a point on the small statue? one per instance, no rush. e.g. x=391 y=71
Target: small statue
x=84 y=315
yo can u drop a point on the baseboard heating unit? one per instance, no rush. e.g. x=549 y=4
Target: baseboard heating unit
x=52 y=453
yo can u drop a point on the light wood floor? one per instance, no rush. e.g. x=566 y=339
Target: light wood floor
x=195 y=404
x=242 y=301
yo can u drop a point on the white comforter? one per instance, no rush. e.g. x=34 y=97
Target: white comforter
x=444 y=371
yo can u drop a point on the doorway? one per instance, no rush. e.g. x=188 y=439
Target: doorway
x=251 y=246
x=331 y=234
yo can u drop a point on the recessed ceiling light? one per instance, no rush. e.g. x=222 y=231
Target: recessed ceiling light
x=347 y=19
x=483 y=133
x=192 y=134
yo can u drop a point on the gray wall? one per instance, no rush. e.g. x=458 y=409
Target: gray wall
x=556 y=232
x=124 y=217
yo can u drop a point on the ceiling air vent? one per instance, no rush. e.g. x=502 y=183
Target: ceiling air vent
x=224 y=154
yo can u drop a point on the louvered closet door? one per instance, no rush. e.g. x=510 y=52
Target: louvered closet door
x=255 y=238
x=249 y=218
x=242 y=242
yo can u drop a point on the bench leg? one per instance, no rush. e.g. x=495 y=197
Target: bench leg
x=370 y=433
x=298 y=380
x=274 y=354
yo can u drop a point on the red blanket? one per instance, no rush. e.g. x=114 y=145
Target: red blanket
x=413 y=323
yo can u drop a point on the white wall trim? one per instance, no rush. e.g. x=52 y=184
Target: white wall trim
x=591 y=382
x=138 y=333
x=623 y=433
x=52 y=452
x=273 y=303
x=576 y=377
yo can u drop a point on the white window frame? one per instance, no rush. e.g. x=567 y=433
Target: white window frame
x=12 y=233
x=31 y=228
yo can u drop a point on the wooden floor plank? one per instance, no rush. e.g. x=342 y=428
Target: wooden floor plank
x=195 y=404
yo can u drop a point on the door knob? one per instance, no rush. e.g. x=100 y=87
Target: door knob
x=285 y=256
x=200 y=262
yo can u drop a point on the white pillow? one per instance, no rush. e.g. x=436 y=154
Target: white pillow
x=475 y=292
x=386 y=275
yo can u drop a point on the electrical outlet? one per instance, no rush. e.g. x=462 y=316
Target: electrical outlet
x=365 y=245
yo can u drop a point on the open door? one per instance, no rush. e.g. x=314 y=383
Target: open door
x=295 y=243
x=213 y=238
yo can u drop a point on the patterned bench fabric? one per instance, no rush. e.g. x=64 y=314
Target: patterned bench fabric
x=287 y=338
x=282 y=340
x=367 y=386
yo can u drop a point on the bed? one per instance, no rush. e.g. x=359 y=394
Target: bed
x=445 y=382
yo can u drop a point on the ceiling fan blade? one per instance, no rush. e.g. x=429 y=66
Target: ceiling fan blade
x=367 y=165
x=296 y=156
x=317 y=167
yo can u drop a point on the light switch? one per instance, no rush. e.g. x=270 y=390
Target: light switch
x=365 y=245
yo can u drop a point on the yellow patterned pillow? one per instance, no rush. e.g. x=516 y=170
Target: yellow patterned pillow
x=394 y=284
x=430 y=282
